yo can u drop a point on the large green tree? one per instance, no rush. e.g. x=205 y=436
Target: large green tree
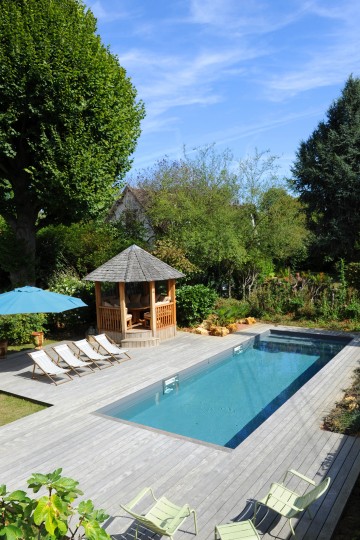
x=221 y=217
x=326 y=173
x=69 y=119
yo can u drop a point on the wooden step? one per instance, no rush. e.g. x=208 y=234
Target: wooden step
x=136 y=342
x=138 y=333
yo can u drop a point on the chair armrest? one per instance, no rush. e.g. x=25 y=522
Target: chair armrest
x=292 y=506
x=299 y=475
x=139 y=496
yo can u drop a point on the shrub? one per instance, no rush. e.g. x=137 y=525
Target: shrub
x=229 y=310
x=352 y=274
x=194 y=303
x=69 y=283
x=49 y=516
x=352 y=310
x=17 y=329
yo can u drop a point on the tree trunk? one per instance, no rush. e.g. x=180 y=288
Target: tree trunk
x=22 y=272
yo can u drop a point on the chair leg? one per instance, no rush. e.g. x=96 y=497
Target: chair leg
x=291 y=527
x=195 y=522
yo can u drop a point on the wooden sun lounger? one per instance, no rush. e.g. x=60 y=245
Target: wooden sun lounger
x=48 y=367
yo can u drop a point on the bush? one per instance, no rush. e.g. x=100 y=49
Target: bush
x=352 y=310
x=49 y=516
x=69 y=283
x=17 y=329
x=194 y=303
x=229 y=310
x=352 y=274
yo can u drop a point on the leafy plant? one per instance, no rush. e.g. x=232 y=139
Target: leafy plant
x=229 y=310
x=50 y=516
x=69 y=283
x=194 y=303
x=17 y=329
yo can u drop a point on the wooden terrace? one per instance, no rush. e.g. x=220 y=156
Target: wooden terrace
x=114 y=460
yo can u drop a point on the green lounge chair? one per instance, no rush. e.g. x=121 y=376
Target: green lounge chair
x=163 y=518
x=240 y=530
x=288 y=503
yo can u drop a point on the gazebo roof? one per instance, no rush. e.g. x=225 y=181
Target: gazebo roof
x=133 y=265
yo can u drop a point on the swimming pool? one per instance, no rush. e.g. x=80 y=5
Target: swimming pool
x=225 y=398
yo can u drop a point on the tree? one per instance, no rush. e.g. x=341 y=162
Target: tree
x=193 y=204
x=69 y=119
x=327 y=176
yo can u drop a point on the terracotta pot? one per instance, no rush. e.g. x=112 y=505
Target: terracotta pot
x=38 y=338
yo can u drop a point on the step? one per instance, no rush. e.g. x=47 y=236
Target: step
x=140 y=342
x=138 y=334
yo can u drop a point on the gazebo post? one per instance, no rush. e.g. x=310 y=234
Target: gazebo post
x=122 y=307
x=171 y=293
x=152 y=307
x=98 y=301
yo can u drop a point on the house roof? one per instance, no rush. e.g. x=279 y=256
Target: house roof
x=139 y=194
x=133 y=265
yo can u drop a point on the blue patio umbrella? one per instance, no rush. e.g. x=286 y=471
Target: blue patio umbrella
x=34 y=300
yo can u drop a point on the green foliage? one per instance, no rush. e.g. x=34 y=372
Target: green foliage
x=229 y=310
x=345 y=416
x=82 y=246
x=194 y=303
x=169 y=253
x=50 y=516
x=223 y=221
x=352 y=274
x=69 y=283
x=191 y=205
x=17 y=329
x=326 y=174
x=78 y=109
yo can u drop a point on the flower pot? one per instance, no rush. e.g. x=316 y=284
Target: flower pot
x=38 y=338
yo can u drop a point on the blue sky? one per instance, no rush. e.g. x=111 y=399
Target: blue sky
x=243 y=74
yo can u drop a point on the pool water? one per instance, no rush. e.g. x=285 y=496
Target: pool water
x=227 y=397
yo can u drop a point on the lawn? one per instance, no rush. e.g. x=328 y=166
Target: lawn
x=12 y=408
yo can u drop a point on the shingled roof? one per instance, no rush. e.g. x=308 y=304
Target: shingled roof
x=133 y=265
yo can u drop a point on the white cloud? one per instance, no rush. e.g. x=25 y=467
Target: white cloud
x=105 y=15
x=330 y=63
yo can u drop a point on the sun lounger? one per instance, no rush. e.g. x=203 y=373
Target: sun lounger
x=110 y=347
x=68 y=356
x=86 y=349
x=48 y=367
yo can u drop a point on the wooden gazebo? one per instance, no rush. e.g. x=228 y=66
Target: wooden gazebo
x=140 y=310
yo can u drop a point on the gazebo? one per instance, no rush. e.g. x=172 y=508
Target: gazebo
x=135 y=298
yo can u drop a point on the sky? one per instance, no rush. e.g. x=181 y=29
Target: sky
x=240 y=74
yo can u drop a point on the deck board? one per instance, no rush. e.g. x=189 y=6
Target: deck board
x=113 y=460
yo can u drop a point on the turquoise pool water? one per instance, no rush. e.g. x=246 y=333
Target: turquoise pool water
x=227 y=397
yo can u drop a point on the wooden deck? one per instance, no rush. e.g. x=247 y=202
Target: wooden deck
x=113 y=460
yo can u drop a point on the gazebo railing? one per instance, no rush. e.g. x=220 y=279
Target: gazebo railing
x=109 y=318
x=165 y=315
